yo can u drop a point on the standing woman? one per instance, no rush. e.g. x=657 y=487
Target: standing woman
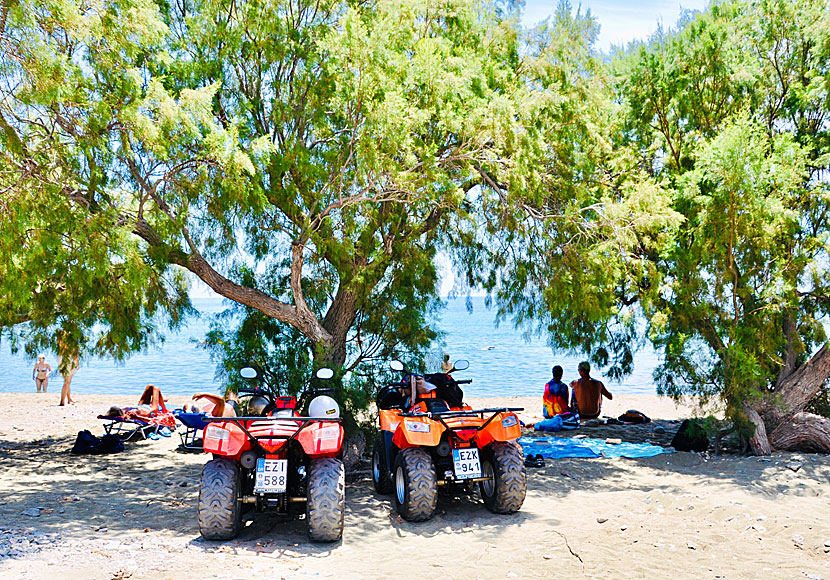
x=67 y=367
x=40 y=373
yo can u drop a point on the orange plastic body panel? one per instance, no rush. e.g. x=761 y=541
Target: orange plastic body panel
x=416 y=432
x=389 y=419
x=465 y=428
x=225 y=438
x=321 y=439
x=496 y=431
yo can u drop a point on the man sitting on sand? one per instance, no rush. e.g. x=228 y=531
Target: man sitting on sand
x=588 y=393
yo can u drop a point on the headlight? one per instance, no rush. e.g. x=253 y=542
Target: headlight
x=214 y=432
x=416 y=426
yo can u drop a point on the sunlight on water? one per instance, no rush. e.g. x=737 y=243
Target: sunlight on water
x=501 y=362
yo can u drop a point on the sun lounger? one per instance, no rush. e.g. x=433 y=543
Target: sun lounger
x=210 y=405
x=149 y=419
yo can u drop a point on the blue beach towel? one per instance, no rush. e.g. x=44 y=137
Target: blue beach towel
x=556 y=447
x=559 y=447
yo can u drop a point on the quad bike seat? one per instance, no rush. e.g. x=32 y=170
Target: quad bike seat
x=436 y=405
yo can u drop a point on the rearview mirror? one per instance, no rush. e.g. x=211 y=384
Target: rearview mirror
x=324 y=373
x=396 y=365
x=462 y=364
x=248 y=373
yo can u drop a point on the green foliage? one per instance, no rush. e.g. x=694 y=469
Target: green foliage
x=728 y=113
x=66 y=270
x=820 y=404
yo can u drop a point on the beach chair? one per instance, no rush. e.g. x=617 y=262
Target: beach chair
x=147 y=420
x=210 y=405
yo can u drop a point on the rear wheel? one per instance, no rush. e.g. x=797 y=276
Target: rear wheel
x=380 y=473
x=326 y=503
x=416 y=488
x=504 y=492
x=220 y=512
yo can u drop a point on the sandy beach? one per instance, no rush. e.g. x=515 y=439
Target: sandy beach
x=674 y=515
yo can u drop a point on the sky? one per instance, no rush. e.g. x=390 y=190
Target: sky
x=621 y=21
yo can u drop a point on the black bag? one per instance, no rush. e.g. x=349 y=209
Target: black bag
x=88 y=444
x=690 y=437
x=85 y=444
x=447 y=389
x=110 y=444
x=634 y=417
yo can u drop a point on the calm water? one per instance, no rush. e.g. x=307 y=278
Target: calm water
x=501 y=361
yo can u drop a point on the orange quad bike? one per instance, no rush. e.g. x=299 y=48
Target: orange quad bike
x=273 y=459
x=430 y=438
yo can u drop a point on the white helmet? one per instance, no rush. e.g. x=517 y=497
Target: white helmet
x=324 y=406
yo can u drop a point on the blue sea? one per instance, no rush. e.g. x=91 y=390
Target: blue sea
x=502 y=362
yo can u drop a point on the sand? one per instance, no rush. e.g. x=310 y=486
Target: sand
x=679 y=515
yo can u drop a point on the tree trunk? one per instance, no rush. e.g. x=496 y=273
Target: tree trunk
x=759 y=443
x=804 y=432
x=338 y=321
x=781 y=413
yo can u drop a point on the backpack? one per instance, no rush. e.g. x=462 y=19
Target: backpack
x=690 y=437
x=634 y=417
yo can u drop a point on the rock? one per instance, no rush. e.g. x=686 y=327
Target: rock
x=798 y=540
x=602 y=520
x=32 y=512
x=183 y=484
x=691 y=546
x=794 y=465
x=659 y=429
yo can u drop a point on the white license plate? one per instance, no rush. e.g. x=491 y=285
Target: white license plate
x=465 y=463
x=271 y=475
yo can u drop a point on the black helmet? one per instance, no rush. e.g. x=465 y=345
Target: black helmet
x=257 y=405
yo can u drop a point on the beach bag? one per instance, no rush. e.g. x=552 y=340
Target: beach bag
x=569 y=420
x=88 y=444
x=633 y=417
x=552 y=424
x=85 y=443
x=111 y=444
x=690 y=437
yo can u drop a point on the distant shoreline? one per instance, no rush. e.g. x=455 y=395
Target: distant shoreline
x=654 y=406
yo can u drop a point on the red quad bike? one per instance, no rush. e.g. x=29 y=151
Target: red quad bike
x=429 y=438
x=273 y=459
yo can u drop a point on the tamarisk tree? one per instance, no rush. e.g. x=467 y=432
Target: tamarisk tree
x=730 y=113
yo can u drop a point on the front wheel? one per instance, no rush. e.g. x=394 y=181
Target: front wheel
x=416 y=487
x=220 y=512
x=326 y=503
x=505 y=489
x=380 y=474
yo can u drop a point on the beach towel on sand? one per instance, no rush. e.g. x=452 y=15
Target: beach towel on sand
x=560 y=447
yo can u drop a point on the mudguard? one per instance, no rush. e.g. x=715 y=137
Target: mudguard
x=224 y=438
x=503 y=427
x=416 y=432
x=321 y=439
